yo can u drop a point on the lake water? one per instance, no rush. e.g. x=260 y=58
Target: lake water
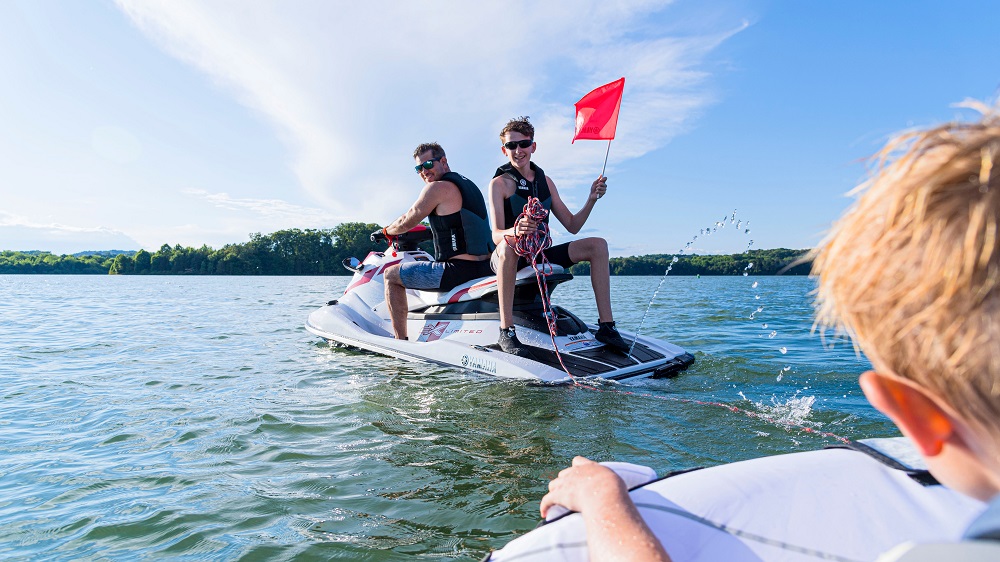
x=194 y=418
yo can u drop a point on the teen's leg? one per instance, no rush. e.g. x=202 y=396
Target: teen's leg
x=506 y=274
x=595 y=250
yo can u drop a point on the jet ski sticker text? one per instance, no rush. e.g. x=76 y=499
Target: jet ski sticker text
x=479 y=364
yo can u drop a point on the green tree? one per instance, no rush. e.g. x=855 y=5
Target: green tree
x=141 y=261
x=122 y=264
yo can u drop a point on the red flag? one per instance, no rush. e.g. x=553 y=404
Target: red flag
x=597 y=112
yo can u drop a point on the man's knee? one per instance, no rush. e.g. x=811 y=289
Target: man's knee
x=392 y=276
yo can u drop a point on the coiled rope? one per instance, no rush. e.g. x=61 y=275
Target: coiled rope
x=532 y=246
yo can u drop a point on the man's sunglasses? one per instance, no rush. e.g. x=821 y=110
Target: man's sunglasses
x=511 y=145
x=427 y=165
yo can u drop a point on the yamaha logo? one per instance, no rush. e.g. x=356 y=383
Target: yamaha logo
x=479 y=364
x=523 y=182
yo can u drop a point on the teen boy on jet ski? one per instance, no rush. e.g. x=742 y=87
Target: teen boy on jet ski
x=510 y=188
x=456 y=211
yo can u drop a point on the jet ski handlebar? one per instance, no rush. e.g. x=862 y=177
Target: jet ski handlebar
x=407 y=241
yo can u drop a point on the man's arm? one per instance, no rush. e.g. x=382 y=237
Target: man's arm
x=575 y=222
x=615 y=530
x=429 y=199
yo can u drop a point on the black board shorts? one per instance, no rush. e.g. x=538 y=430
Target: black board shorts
x=558 y=255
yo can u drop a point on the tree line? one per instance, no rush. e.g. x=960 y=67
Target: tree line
x=777 y=261
x=321 y=252
x=285 y=252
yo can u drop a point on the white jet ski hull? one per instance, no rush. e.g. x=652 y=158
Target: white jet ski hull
x=459 y=328
x=470 y=348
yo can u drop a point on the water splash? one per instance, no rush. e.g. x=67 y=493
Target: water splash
x=731 y=218
x=792 y=412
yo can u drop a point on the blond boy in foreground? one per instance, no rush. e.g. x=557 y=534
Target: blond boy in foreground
x=912 y=273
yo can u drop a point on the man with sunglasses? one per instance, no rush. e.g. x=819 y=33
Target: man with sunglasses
x=510 y=188
x=456 y=211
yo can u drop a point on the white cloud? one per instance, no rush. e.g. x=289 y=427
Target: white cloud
x=352 y=87
x=19 y=233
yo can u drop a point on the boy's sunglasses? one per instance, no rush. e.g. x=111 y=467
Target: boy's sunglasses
x=426 y=165
x=521 y=143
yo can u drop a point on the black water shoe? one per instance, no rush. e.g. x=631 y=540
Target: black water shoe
x=509 y=343
x=609 y=336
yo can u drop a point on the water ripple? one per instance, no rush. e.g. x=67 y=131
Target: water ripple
x=194 y=418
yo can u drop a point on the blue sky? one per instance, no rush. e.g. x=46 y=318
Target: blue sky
x=132 y=124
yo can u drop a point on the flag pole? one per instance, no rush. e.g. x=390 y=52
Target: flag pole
x=605 y=167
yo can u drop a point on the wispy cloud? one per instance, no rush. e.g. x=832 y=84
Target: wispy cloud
x=351 y=88
x=272 y=211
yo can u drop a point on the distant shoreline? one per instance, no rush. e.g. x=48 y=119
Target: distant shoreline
x=322 y=252
x=780 y=261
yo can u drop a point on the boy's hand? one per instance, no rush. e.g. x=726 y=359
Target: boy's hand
x=586 y=486
x=598 y=188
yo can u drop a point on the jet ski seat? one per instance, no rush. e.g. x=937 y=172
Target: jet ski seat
x=486 y=287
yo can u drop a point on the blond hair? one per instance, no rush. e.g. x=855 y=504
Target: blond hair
x=912 y=271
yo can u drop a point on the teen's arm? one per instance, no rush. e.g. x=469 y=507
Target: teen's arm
x=574 y=222
x=500 y=189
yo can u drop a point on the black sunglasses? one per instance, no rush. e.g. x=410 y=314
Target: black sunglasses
x=511 y=145
x=427 y=165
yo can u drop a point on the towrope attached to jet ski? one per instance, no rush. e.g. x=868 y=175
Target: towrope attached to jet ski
x=459 y=327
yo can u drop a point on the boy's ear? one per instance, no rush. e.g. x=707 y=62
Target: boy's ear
x=913 y=411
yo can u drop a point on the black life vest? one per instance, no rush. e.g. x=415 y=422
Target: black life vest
x=466 y=231
x=513 y=206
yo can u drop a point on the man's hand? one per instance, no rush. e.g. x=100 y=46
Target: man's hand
x=378 y=236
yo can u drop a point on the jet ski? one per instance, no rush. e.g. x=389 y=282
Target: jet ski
x=460 y=327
